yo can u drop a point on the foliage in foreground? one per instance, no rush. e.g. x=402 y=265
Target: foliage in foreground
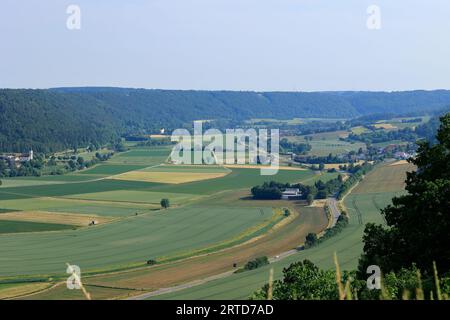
x=419 y=222
x=305 y=281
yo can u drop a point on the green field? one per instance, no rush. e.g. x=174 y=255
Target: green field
x=126 y=242
x=25 y=226
x=322 y=144
x=362 y=207
x=142 y=156
x=237 y=179
x=195 y=224
x=137 y=196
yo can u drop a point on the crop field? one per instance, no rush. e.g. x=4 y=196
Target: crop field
x=45 y=219
x=12 y=226
x=363 y=207
x=326 y=143
x=66 y=205
x=136 y=196
x=142 y=156
x=111 y=169
x=60 y=292
x=131 y=241
x=285 y=236
x=52 y=217
x=168 y=177
x=239 y=178
x=385 y=179
x=10 y=290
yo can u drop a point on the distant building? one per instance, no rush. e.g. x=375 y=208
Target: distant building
x=290 y=193
x=17 y=157
x=402 y=155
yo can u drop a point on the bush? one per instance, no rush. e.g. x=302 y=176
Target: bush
x=165 y=203
x=311 y=240
x=256 y=263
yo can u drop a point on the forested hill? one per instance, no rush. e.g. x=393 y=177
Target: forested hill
x=54 y=119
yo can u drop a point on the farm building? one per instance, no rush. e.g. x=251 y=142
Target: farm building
x=290 y=193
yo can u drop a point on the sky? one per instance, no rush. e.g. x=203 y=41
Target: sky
x=261 y=45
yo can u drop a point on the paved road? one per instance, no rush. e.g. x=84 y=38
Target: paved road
x=335 y=213
x=180 y=287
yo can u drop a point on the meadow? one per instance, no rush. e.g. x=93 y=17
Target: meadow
x=363 y=207
x=322 y=144
x=127 y=242
x=131 y=229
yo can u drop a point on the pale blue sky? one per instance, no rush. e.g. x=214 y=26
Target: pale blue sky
x=303 y=45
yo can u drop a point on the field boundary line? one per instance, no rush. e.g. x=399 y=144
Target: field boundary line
x=51 y=286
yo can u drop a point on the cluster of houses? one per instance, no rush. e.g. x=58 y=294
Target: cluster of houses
x=17 y=158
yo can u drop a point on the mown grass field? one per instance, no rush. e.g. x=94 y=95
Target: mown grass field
x=363 y=207
x=13 y=226
x=322 y=144
x=127 y=242
x=286 y=235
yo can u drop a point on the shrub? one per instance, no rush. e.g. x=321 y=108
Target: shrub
x=256 y=263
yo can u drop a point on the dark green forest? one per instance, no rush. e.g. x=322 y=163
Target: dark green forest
x=56 y=119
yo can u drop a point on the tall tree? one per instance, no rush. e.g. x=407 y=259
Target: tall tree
x=419 y=222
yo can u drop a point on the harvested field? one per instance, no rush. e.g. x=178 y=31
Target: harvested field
x=385 y=179
x=167 y=177
x=400 y=162
x=386 y=126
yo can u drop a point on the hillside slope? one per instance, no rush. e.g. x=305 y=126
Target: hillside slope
x=54 y=119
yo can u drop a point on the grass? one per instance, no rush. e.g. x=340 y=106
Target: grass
x=322 y=144
x=284 y=236
x=10 y=290
x=124 y=243
x=109 y=169
x=131 y=241
x=60 y=292
x=137 y=196
x=8 y=227
x=53 y=218
x=66 y=205
x=237 y=179
x=363 y=207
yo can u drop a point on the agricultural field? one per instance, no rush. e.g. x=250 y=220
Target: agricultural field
x=18 y=226
x=130 y=227
x=133 y=241
x=322 y=144
x=363 y=207
x=286 y=235
x=211 y=223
